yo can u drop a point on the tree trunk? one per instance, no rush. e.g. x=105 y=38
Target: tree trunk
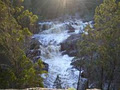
x=111 y=76
x=101 y=83
x=79 y=79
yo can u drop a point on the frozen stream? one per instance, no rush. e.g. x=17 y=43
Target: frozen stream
x=51 y=37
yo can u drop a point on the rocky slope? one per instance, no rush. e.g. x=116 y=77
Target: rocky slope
x=69 y=46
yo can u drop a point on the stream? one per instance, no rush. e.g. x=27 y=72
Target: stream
x=53 y=34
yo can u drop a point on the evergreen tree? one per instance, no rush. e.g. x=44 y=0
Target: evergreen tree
x=17 y=70
x=57 y=83
x=101 y=47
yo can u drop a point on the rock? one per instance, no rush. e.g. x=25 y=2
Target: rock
x=83 y=85
x=33 y=53
x=70 y=28
x=34 y=44
x=35 y=59
x=35 y=28
x=36 y=53
x=45 y=26
x=69 y=46
x=46 y=66
x=73 y=53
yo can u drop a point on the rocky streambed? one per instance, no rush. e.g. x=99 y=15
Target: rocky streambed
x=56 y=46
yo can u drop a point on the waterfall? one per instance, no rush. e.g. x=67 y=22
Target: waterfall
x=53 y=34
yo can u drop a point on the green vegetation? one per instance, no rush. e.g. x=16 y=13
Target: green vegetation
x=17 y=70
x=100 y=49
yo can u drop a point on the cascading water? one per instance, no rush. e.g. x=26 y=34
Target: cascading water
x=55 y=33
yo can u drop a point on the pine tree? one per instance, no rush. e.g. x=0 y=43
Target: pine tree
x=102 y=46
x=57 y=83
x=107 y=22
x=17 y=70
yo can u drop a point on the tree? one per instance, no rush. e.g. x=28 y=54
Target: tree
x=102 y=45
x=107 y=23
x=57 y=83
x=17 y=70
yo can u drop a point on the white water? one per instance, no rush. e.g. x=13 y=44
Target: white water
x=50 y=52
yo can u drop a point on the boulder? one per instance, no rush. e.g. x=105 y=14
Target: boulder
x=44 y=26
x=34 y=28
x=46 y=66
x=34 y=44
x=83 y=85
x=33 y=53
x=70 y=28
x=69 y=46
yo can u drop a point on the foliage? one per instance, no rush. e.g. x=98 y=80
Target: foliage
x=17 y=70
x=100 y=49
